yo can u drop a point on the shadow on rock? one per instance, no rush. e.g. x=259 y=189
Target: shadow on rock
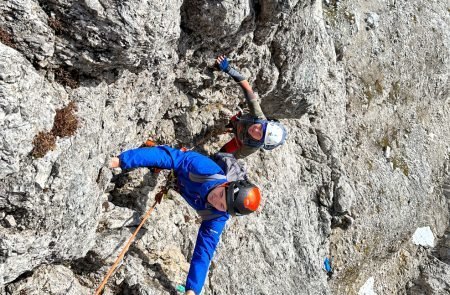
x=161 y=276
x=133 y=188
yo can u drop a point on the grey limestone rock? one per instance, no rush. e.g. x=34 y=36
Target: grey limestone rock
x=119 y=217
x=344 y=196
x=434 y=278
x=139 y=70
x=29 y=25
x=212 y=19
x=27 y=106
x=372 y=20
x=51 y=280
x=10 y=221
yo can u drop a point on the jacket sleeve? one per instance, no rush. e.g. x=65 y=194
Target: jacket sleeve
x=252 y=101
x=163 y=157
x=255 y=107
x=207 y=239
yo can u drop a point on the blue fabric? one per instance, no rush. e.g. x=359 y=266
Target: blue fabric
x=194 y=193
x=224 y=65
x=207 y=240
x=327 y=265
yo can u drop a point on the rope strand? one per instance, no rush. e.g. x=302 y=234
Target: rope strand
x=124 y=250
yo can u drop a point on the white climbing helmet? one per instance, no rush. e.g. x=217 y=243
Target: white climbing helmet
x=275 y=135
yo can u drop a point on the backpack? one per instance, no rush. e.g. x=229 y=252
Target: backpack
x=234 y=169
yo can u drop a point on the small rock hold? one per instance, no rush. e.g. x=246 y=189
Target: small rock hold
x=368 y=287
x=372 y=20
x=119 y=281
x=10 y=221
x=2 y=215
x=423 y=236
x=110 y=187
x=108 y=206
x=387 y=152
x=347 y=220
x=351 y=91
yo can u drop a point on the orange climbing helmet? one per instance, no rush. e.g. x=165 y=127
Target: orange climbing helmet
x=243 y=197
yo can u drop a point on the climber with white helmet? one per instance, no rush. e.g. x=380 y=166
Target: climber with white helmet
x=252 y=130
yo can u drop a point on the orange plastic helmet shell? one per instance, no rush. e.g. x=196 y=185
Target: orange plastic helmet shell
x=243 y=197
x=253 y=199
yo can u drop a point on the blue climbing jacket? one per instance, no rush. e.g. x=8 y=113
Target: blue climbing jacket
x=195 y=193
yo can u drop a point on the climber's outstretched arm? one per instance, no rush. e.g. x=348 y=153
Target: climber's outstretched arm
x=250 y=97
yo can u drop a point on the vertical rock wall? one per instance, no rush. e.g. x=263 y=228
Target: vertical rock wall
x=362 y=87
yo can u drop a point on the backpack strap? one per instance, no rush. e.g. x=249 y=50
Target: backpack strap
x=205 y=178
x=230 y=166
x=208 y=214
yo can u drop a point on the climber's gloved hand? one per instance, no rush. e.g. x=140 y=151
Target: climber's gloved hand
x=223 y=64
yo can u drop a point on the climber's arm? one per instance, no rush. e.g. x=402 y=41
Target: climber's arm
x=250 y=97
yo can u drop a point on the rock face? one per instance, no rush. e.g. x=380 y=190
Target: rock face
x=434 y=278
x=49 y=279
x=362 y=87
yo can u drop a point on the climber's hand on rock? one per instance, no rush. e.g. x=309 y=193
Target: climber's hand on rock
x=223 y=64
x=114 y=162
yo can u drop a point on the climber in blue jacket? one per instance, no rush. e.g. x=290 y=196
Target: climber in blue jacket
x=203 y=184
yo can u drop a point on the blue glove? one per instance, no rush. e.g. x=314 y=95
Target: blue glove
x=224 y=66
